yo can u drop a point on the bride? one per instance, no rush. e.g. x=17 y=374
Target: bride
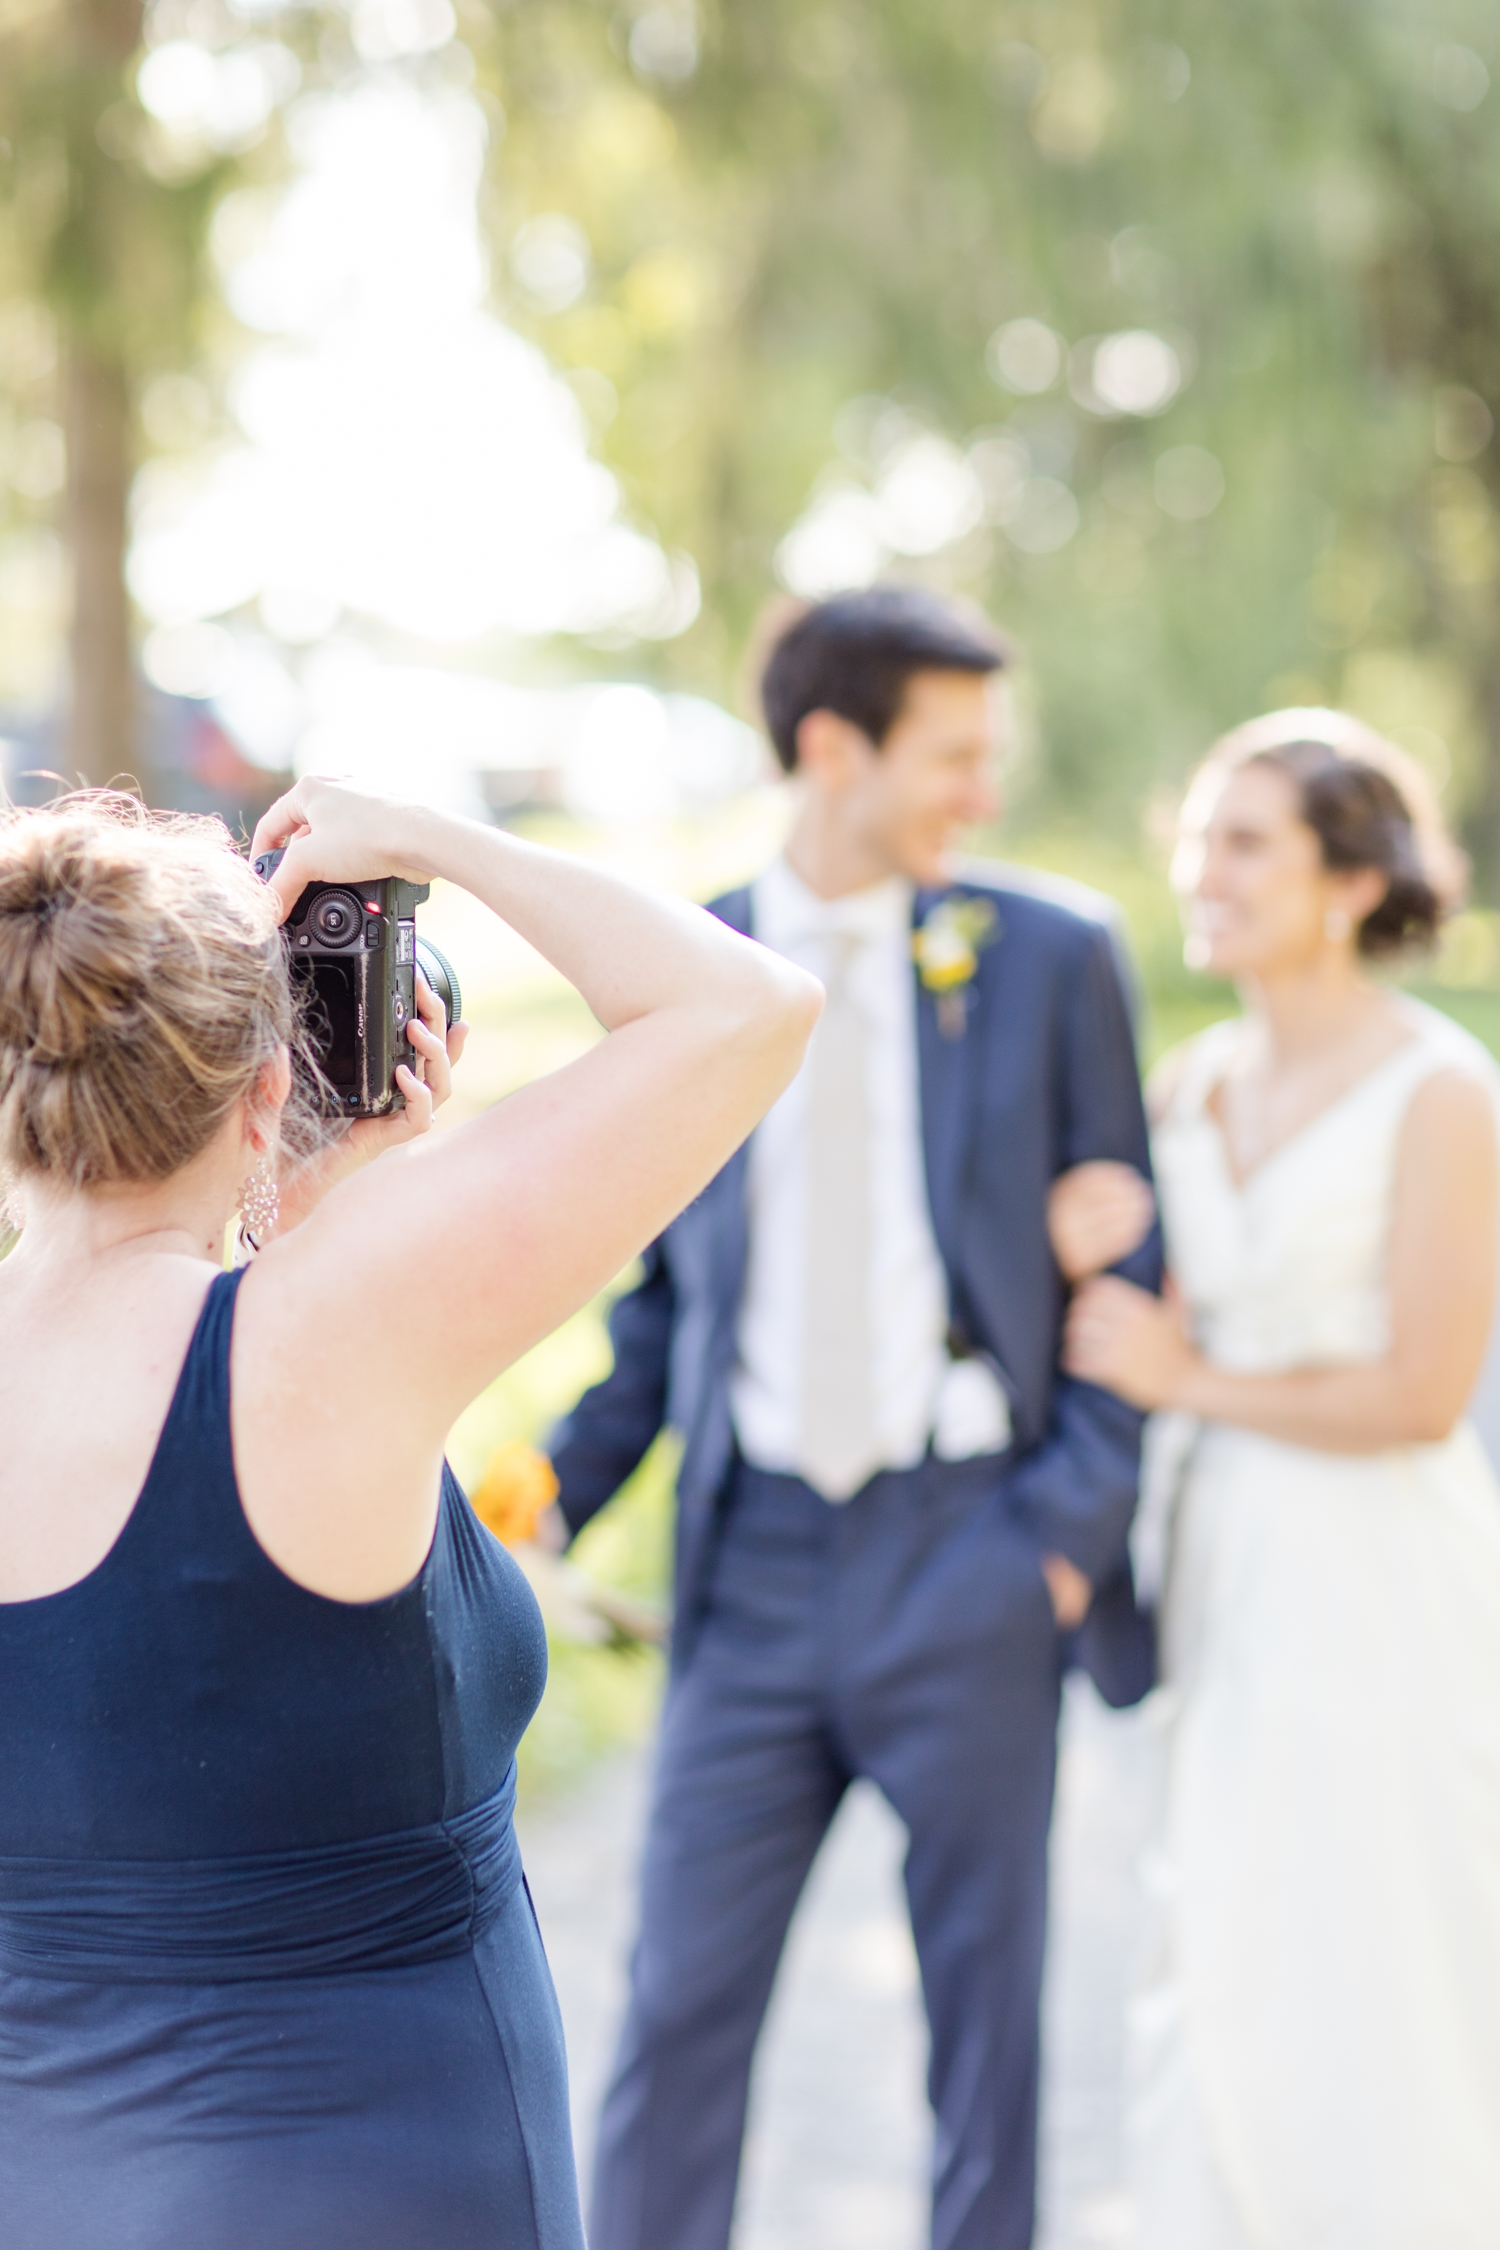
x=1319 y=2039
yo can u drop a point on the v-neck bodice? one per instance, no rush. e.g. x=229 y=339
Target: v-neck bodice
x=1288 y=1267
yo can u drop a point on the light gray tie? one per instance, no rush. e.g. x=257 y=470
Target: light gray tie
x=838 y=1445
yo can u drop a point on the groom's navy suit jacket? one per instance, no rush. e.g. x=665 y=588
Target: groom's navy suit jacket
x=1041 y=1076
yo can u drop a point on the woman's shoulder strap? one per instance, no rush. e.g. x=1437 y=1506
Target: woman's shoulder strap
x=1442 y=1044
x=192 y=1475
x=1187 y=1076
x=1439 y=1045
x=187 y=1515
x=208 y=1353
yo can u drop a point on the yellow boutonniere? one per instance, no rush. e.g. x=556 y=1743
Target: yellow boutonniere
x=946 y=949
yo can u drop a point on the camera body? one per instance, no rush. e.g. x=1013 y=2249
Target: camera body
x=353 y=950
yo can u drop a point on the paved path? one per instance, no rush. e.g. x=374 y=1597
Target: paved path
x=837 y=2149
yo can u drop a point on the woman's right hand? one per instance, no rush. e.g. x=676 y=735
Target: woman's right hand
x=1096 y=1215
x=332 y=832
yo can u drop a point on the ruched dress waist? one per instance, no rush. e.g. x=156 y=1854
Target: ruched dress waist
x=381 y=1902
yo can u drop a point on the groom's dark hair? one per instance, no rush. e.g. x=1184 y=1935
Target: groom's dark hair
x=855 y=653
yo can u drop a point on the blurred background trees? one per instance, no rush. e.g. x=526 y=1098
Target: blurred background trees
x=102 y=227
x=1169 y=332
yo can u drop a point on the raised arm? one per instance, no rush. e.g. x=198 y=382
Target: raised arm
x=1444 y=1231
x=367 y=1329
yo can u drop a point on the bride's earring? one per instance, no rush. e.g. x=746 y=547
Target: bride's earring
x=260 y=1202
x=1336 y=925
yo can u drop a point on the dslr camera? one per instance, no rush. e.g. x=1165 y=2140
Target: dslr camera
x=354 y=952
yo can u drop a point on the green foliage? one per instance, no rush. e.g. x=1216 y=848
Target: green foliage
x=808 y=222
x=105 y=284
x=803 y=247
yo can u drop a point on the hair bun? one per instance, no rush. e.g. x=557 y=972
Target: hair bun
x=75 y=943
x=143 y=987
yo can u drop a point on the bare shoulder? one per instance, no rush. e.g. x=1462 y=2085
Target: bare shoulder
x=1448 y=1154
x=1447 y=1191
x=1452 y=1114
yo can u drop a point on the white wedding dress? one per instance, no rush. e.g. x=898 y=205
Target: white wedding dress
x=1317 y=2039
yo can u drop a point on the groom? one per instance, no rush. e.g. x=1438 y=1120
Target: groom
x=891 y=1503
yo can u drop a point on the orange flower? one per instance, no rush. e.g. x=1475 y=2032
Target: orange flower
x=519 y=1485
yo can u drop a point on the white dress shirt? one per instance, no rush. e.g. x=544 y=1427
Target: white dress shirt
x=920 y=1393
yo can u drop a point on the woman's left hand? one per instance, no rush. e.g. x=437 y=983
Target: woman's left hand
x=426 y=1083
x=1129 y=1342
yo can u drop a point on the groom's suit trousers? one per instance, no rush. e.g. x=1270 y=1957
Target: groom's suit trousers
x=908 y=1637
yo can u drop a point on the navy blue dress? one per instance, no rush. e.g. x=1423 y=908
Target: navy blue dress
x=269 y=1974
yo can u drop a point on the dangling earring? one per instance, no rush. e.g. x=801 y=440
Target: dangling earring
x=260 y=1204
x=1336 y=925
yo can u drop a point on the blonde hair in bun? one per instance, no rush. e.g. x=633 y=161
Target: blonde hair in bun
x=143 y=988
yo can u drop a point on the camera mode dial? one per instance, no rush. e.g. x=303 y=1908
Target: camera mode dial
x=336 y=918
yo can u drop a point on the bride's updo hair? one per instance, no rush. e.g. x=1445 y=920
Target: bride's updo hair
x=143 y=988
x=1369 y=805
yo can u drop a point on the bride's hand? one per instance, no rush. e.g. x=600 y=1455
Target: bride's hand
x=1129 y=1342
x=1097 y=1213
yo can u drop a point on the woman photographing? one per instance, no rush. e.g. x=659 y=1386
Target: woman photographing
x=1319 y=2040
x=269 y=1975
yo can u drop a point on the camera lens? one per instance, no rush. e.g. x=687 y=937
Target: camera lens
x=443 y=978
x=335 y=918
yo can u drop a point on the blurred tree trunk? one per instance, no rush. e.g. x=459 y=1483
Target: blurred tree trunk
x=102 y=742
x=102 y=719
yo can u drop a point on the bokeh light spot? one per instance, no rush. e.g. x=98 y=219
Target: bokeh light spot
x=549 y=259
x=1459 y=78
x=664 y=44
x=1133 y=372
x=1042 y=518
x=1462 y=424
x=1025 y=356
x=383 y=29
